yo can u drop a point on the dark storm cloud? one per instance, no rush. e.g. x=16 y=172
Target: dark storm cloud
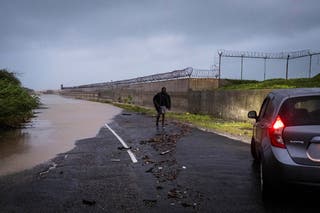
x=202 y=21
x=45 y=37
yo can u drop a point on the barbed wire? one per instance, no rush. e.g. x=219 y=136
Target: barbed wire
x=266 y=56
x=205 y=73
x=263 y=55
x=188 y=72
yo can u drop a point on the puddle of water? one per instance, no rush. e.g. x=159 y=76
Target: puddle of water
x=53 y=131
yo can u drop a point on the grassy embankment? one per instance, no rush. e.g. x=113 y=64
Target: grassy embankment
x=274 y=83
x=16 y=104
x=242 y=129
x=233 y=128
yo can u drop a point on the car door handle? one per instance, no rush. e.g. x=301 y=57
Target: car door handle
x=315 y=139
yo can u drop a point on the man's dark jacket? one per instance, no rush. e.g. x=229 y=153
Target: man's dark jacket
x=161 y=99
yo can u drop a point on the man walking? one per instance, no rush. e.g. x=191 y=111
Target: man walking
x=162 y=103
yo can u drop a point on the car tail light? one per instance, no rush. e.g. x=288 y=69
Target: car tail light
x=275 y=133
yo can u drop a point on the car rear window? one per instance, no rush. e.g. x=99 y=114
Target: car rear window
x=301 y=111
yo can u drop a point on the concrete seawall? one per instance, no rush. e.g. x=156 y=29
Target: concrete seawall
x=188 y=95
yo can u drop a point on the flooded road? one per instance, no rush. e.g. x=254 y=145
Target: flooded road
x=54 y=130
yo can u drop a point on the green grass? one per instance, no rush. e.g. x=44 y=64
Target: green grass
x=135 y=108
x=274 y=84
x=233 y=128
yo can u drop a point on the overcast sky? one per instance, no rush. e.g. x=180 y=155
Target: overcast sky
x=73 y=42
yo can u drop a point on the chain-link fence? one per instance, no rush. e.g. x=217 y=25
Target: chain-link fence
x=253 y=65
x=262 y=66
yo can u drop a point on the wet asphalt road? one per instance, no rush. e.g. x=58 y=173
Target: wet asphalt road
x=179 y=169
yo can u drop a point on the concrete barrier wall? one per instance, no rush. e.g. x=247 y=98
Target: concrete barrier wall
x=203 y=84
x=188 y=95
x=230 y=104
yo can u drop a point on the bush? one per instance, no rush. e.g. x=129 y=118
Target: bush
x=16 y=103
x=9 y=76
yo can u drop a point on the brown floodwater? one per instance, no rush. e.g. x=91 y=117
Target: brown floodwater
x=54 y=130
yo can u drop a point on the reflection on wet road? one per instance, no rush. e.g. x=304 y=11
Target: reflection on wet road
x=54 y=130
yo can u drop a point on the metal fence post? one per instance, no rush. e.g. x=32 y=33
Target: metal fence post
x=310 y=64
x=287 y=67
x=265 y=69
x=220 y=54
x=241 y=66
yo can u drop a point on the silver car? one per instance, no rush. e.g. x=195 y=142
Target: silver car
x=286 y=138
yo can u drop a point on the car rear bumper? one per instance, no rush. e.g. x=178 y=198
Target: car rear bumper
x=279 y=167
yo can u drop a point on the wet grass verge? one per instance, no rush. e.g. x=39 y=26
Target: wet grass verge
x=239 y=130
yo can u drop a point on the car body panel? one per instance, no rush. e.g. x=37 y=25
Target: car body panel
x=282 y=169
x=299 y=159
x=299 y=145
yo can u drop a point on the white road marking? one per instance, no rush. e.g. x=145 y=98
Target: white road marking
x=133 y=158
